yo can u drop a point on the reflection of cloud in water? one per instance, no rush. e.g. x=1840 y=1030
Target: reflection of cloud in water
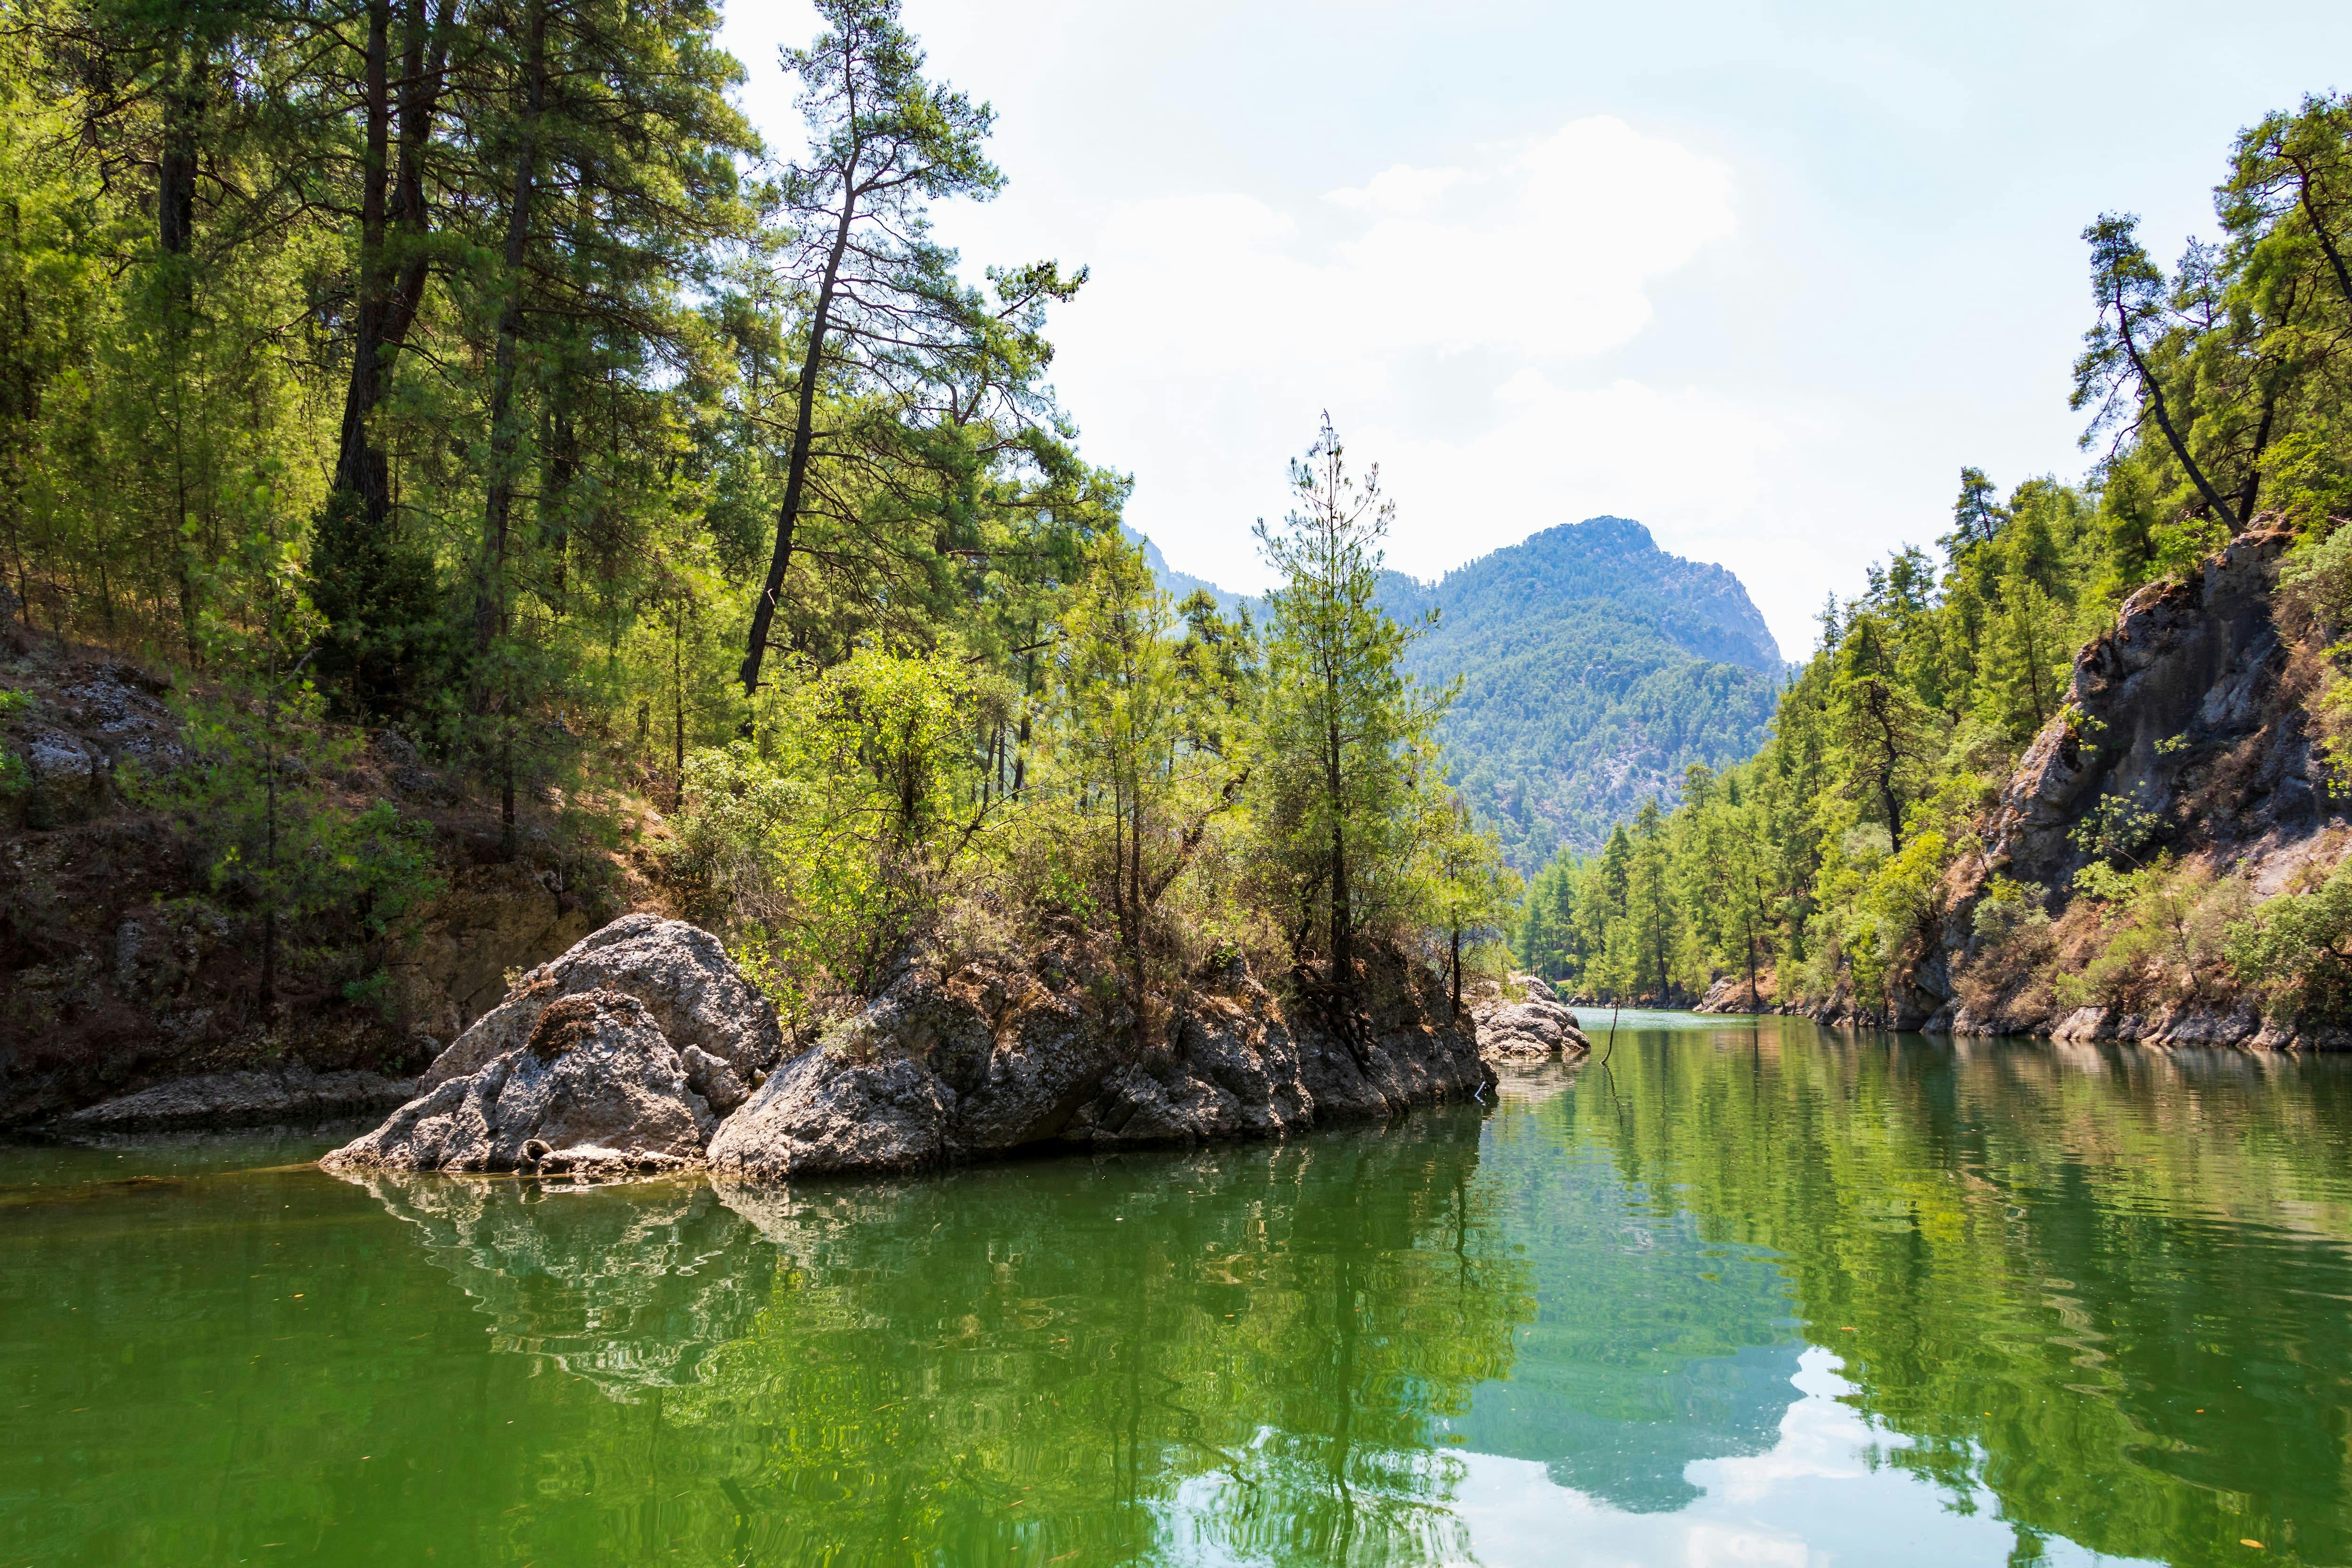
x=630 y=1286
x=1652 y=1346
x=1818 y=1493
x=1714 y=1408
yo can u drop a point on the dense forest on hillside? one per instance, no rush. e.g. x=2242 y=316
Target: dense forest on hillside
x=462 y=376
x=1871 y=840
x=1595 y=668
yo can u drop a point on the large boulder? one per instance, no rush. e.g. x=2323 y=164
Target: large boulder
x=1531 y=1028
x=594 y=1086
x=697 y=998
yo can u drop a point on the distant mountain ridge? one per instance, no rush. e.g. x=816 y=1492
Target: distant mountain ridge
x=1596 y=667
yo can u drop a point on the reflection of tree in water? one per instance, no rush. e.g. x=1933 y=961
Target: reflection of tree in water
x=1240 y=1354
x=631 y=1286
x=2095 y=1287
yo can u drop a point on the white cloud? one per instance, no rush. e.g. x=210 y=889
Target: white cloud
x=1402 y=191
x=1682 y=461
x=1445 y=315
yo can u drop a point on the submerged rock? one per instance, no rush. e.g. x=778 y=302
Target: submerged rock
x=595 y=1086
x=697 y=998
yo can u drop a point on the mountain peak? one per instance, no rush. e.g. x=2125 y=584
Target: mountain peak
x=1622 y=532
x=1597 y=668
x=1698 y=606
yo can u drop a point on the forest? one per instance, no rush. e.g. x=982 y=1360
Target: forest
x=2215 y=399
x=464 y=378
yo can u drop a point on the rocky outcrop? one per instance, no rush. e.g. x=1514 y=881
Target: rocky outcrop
x=644 y=1049
x=1735 y=994
x=594 y=1086
x=1533 y=1028
x=983 y=1063
x=2187 y=721
x=699 y=999
x=285 y=1096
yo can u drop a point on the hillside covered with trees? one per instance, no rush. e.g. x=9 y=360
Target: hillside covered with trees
x=456 y=390
x=2081 y=767
x=1594 y=667
x=1595 y=670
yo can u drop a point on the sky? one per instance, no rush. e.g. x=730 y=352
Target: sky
x=1763 y=277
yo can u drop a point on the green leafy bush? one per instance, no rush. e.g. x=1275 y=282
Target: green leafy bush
x=2296 y=951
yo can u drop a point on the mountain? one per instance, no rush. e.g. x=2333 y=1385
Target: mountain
x=1179 y=585
x=1595 y=668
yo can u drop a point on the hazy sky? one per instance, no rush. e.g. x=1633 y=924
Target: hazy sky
x=1763 y=277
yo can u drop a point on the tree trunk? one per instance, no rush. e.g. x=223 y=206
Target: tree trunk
x=763 y=613
x=175 y=181
x=1457 y=973
x=2154 y=396
x=490 y=594
x=2319 y=229
x=2253 y=485
x=358 y=469
x=389 y=298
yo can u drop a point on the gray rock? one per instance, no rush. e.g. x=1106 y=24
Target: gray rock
x=680 y=972
x=1535 y=1027
x=1532 y=1030
x=261 y=1097
x=941 y=1068
x=825 y=1111
x=594 y=1087
x=714 y=1079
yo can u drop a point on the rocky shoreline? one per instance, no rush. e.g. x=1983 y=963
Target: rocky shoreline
x=2234 y=1025
x=642 y=1050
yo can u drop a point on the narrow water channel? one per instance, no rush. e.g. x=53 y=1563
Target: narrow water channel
x=1753 y=1294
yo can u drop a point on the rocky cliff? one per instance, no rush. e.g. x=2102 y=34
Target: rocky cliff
x=2186 y=736
x=122 y=971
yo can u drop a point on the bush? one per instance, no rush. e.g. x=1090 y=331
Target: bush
x=825 y=849
x=2165 y=937
x=331 y=878
x=2297 y=952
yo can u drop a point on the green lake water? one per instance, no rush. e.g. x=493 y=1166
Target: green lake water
x=1752 y=1295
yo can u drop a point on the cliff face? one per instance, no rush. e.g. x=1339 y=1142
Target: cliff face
x=121 y=969
x=2186 y=736
x=2185 y=711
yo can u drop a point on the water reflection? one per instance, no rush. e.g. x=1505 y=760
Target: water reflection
x=2095 y=1292
x=630 y=1287
x=1241 y=1356
x=1753 y=1294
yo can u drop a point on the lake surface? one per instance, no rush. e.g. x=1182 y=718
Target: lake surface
x=1754 y=1294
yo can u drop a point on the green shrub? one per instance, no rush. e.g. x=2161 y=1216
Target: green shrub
x=2296 y=951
